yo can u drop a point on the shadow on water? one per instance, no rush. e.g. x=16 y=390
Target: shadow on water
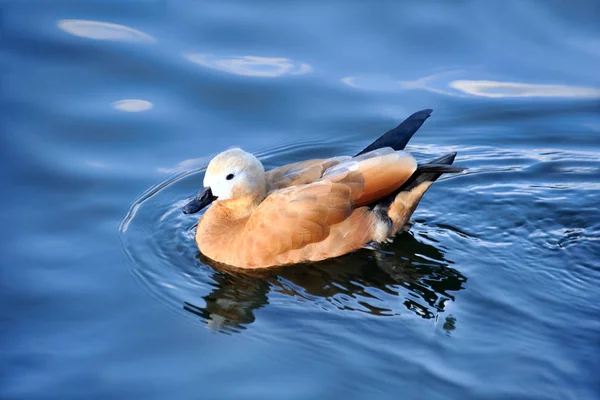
x=365 y=281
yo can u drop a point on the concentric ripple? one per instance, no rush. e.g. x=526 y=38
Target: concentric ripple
x=418 y=274
x=411 y=275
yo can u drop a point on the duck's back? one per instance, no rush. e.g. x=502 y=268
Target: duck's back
x=299 y=173
x=325 y=218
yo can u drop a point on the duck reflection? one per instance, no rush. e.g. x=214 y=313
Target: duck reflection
x=366 y=281
x=231 y=305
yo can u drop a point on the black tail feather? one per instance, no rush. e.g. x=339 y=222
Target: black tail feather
x=441 y=168
x=428 y=172
x=398 y=137
x=431 y=171
x=446 y=159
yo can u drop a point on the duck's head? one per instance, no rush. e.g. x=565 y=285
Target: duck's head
x=231 y=175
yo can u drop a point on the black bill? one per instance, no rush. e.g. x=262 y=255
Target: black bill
x=203 y=199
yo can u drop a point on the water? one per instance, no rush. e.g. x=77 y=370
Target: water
x=111 y=110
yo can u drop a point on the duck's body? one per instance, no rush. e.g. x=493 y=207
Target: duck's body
x=312 y=210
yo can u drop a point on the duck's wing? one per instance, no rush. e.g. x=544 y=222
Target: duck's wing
x=299 y=173
x=382 y=171
x=294 y=217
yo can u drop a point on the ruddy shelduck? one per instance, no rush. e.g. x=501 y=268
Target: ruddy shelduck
x=311 y=210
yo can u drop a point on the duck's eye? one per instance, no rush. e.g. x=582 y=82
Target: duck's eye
x=229 y=177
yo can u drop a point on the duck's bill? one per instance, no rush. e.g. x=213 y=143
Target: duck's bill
x=202 y=200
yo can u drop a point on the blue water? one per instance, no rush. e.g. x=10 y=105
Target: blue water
x=111 y=110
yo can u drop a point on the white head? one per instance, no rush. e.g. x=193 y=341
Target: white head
x=235 y=173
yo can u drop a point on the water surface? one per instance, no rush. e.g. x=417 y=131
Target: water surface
x=111 y=110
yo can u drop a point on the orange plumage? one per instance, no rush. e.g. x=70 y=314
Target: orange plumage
x=311 y=210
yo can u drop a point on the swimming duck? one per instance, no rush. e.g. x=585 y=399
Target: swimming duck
x=311 y=210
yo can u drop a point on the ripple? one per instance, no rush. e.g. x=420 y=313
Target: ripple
x=158 y=239
x=412 y=275
x=103 y=31
x=266 y=67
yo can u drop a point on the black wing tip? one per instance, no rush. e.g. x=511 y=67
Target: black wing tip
x=426 y=112
x=419 y=115
x=398 y=137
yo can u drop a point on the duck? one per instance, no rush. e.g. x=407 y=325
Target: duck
x=312 y=210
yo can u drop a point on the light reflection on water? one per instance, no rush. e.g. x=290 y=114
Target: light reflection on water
x=98 y=30
x=465 y=87
x=268 y=67
x=132 y=105
x=517 y=89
